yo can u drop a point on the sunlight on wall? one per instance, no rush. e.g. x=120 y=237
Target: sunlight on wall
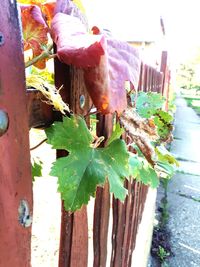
x=138 y=19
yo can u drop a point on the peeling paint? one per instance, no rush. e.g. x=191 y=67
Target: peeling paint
x=25 y=218
x=4 y=121
x=2 y=39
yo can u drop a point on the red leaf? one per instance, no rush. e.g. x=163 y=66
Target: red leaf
x=47 y=8
x=107 y=64
x=106 y=82
x=68 y=7
x=74 y=44
x=34 y=29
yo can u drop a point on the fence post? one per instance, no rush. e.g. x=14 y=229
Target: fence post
x=74 y=227
x=163 y=69
x=102 y=203
x=15 y=171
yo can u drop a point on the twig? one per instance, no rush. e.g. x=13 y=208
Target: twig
x=91 y=113
x=45 y=54
x=32 y=148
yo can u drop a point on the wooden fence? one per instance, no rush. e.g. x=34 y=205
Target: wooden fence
x=20 y=109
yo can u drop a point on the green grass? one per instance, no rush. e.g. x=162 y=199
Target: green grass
x=193 y=102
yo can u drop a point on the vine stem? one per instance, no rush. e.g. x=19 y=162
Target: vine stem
x=89 y=112
x=43 y=55
x=32 y=148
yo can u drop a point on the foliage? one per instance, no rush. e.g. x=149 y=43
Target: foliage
x=45 y=74
x=193 y=102
x=100 y=57
x=116 y=134
x=107 y=64
x=186 y=76
x=36 y=168
x=34 y=31
x=143 y=171
x=148 y=126
x=188 y=71
x=86 y=166
x=162 y=254
x=150 y=105
x=147 y=104
x=49 y=91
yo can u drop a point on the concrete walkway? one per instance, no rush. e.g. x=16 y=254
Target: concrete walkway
x=184 y=189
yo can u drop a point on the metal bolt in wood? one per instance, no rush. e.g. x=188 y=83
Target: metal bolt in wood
x=2 y=40
x=3 y=122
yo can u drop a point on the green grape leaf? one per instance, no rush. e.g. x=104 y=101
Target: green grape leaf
x=165 y=156
x=147 y=104
x=163 y=121
x=134 y=165
x=165 y=169
x=148 y=176
x=164 y=115
x=116 y=134
x=36 y=166
x=86 y=167
x=70 y=134
x=140 y=169
x=166 y=162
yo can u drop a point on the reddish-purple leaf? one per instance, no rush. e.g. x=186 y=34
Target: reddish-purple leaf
x=74 y=44
x=107 y=63
x=106 y=82
x=69 y=7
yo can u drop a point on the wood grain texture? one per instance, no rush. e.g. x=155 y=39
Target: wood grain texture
x=102 y=203
x=15 y=169
x=74 y=227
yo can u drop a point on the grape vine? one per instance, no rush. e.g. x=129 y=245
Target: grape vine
x=143 y=120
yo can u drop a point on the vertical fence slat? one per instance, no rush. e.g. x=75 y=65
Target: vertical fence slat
x=79 y=249
x=62 y=78
x=102 y=203
x=15 y=170
x=135 y=222
x=100 y=229
x=163 y=69
x=130 y=239
x=127 y=226
x=74 y=227
x=118 y=234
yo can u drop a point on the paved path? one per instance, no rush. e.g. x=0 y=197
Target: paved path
x=184 y=189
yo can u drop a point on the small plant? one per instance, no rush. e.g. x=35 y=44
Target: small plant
x=162 y=253
x=161 y=248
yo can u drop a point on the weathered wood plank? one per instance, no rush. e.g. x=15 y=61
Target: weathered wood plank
x=79 y=249
x=102 y=203
x=163 y=69
x=40 y=114
x=74 y=227
x=79 y=246
x=15 y=170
